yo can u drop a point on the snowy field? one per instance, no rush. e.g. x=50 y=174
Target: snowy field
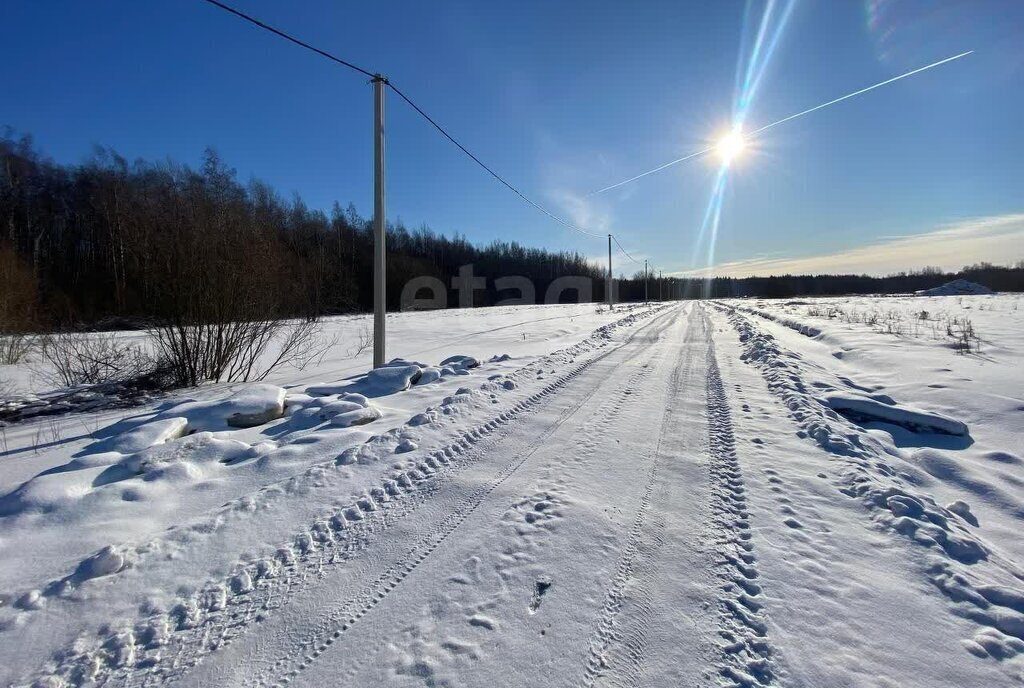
x=819 y=492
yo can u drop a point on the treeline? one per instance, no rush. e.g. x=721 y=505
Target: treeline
x=114 y=242
x=110 y=243
x=996 y=277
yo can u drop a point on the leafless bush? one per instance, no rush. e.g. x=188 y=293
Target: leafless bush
x=6 y=390
x=84 y=358
x=363 y=341
x=14 y=347
x=965 y=340
x=237 y=351
x=224 y=290
x=892 y=323
x=826 y=311
x=312 y=348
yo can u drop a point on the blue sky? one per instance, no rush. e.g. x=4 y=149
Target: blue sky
x=564 y=98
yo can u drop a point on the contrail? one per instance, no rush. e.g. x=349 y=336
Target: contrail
x=656 y=169
x=863 y=90
x=786 y=119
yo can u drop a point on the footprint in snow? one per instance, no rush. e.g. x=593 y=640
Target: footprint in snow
x=541 y=586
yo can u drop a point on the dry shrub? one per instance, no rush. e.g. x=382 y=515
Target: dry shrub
x=224 y=289
x=85 y=358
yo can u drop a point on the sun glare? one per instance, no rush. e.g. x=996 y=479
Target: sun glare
x=730 y=146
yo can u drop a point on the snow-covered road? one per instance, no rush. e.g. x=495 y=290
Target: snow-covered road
x=584 y=542
x=672 y=501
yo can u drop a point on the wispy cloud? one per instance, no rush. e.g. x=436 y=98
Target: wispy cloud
x=582 y=211
x=997 y=239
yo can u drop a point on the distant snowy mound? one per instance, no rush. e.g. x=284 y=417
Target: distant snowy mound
x=958 y=287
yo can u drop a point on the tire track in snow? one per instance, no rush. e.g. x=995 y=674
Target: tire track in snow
x=618 y=644
x=164 y=648
x=334 y=625
x=981 y=585
x=747 y=654
x=588 y=434
x=608 y=640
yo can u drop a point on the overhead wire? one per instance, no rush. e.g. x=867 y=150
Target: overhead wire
x=565 y=223
x=494 y=174
x=288 y=37
x=377 y=77
x=624 y=251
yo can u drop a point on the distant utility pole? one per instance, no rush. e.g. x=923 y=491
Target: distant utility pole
x=645 y=282
x=379 y=233
x=661 y=279
x=608 y=285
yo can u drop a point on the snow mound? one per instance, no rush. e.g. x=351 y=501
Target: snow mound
x=344 y=411
x=460 y=362
x=358 y=416
x=181 y=462
x=390 y=379
x=249 y=406
x=144 y=436
x=429 y=375
x=255 y=405
x=958 y=287
x=397 y=376
x=107 y=561
x=916 y=420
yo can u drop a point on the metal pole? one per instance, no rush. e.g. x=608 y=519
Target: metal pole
x=608 y=285
x=379 y=234
x=645 y=282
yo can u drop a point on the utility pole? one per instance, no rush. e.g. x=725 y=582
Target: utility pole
x=645 y=282
x=661 y=281
x=379 y=233
x=608 y=285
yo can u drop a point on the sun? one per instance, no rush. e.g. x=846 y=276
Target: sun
x=730 y=146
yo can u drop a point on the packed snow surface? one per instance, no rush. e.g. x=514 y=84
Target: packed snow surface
x=824 y=492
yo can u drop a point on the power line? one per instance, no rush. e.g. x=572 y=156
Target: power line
x=494 y=174
x=624 y=251
x=296 y=41
x=414 y=106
